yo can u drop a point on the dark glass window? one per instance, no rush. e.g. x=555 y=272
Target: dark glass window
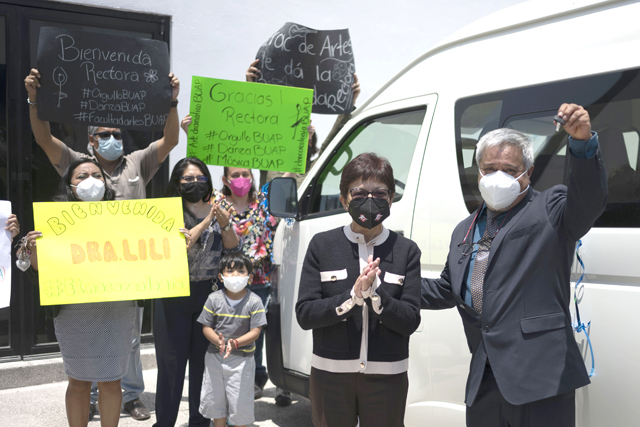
x=613 y=102
x=5 y=313
x=393 y=136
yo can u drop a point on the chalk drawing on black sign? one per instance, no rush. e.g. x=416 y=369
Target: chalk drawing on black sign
x=297 y=31
x=59 y=79
x=151 y=76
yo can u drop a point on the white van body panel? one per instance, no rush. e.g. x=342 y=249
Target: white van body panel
x=533 y=47
x=529 y=44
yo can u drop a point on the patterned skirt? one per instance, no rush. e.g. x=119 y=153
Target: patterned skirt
x=95 y=339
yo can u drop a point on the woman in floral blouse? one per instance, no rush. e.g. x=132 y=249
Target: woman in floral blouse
x=250 y=219
x=255 y=226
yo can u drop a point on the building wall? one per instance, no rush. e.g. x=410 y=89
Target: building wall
x=215 y=38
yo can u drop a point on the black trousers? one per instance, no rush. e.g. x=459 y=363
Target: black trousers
x=339 y=400
x=179 y=338
x=261 y=371
x=490 y=409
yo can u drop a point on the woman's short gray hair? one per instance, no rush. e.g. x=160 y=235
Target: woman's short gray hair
x=502 y=137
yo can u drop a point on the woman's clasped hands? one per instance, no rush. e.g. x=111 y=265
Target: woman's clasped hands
x=366 y=278
x=222 y=215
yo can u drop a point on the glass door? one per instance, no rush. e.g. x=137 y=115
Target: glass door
x=26 y=175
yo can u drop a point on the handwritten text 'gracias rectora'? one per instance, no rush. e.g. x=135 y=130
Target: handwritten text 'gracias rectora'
x=237 y=143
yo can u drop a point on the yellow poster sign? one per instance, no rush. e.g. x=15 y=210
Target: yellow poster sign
x=111 y=251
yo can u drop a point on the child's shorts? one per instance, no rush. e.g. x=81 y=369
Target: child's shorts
x=227 y=388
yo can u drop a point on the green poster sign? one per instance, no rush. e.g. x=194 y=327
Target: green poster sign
x=249 y=125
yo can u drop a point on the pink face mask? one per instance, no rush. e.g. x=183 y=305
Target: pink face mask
x=240 y=186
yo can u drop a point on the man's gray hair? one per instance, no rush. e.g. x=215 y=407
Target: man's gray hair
x=91 y=130
x=502 y=137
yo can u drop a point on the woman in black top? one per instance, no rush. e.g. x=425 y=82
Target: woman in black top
x=360 y=293
x=178 y=335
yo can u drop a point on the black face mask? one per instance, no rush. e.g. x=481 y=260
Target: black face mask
x=369 y=211
x=193 y=192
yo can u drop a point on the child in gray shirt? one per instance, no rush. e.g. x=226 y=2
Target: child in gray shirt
x=232 y=319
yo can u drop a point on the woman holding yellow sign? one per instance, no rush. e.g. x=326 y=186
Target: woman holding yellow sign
x=95 y=338
x=178 y=335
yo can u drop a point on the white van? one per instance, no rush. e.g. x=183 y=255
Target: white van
x=511 y=69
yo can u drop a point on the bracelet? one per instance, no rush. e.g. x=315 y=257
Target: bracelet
x=174 y=103
x=29 y=101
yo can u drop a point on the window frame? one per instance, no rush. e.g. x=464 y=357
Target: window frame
x=306 y=199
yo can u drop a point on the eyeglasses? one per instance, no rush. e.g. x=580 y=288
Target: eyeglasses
x=361 y=193
x=467 y=248
x=105 y=135
x=191 y=178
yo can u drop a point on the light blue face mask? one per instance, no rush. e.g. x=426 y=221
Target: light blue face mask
x=110 y=149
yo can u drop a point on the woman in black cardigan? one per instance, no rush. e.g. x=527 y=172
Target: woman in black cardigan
x=360 y=293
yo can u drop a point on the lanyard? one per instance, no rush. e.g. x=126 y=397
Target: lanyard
x=579 y=326
x=474 y=221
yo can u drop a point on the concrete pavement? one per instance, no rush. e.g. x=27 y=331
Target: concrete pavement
x=43 y=404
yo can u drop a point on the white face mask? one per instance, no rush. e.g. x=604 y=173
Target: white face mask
x=235 y=283
x=90 y=190
x=499 y=189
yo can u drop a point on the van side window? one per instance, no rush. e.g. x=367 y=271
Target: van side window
x=613 y=102
x=393 y=136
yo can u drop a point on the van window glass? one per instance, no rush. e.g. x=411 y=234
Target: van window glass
x=474 y=119
x=613 y=102
x=391 y=136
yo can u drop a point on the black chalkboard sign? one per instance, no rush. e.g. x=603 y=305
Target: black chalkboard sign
x=103 y=80
x=320 y=60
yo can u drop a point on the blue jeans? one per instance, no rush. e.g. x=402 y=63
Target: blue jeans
x=132 y=383
x=261 y=371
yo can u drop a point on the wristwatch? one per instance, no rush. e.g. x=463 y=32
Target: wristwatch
x=227 y=227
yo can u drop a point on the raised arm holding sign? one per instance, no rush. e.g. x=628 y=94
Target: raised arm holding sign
x=60 y=155
x=102 y=99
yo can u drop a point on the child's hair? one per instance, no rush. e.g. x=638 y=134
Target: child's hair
x=234 y=261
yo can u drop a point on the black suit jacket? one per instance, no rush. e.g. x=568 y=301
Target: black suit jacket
x=525 y=327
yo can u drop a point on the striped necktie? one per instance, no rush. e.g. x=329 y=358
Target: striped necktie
x=482 y=260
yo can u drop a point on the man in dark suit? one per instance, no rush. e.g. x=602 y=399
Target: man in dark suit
x=508 y=272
